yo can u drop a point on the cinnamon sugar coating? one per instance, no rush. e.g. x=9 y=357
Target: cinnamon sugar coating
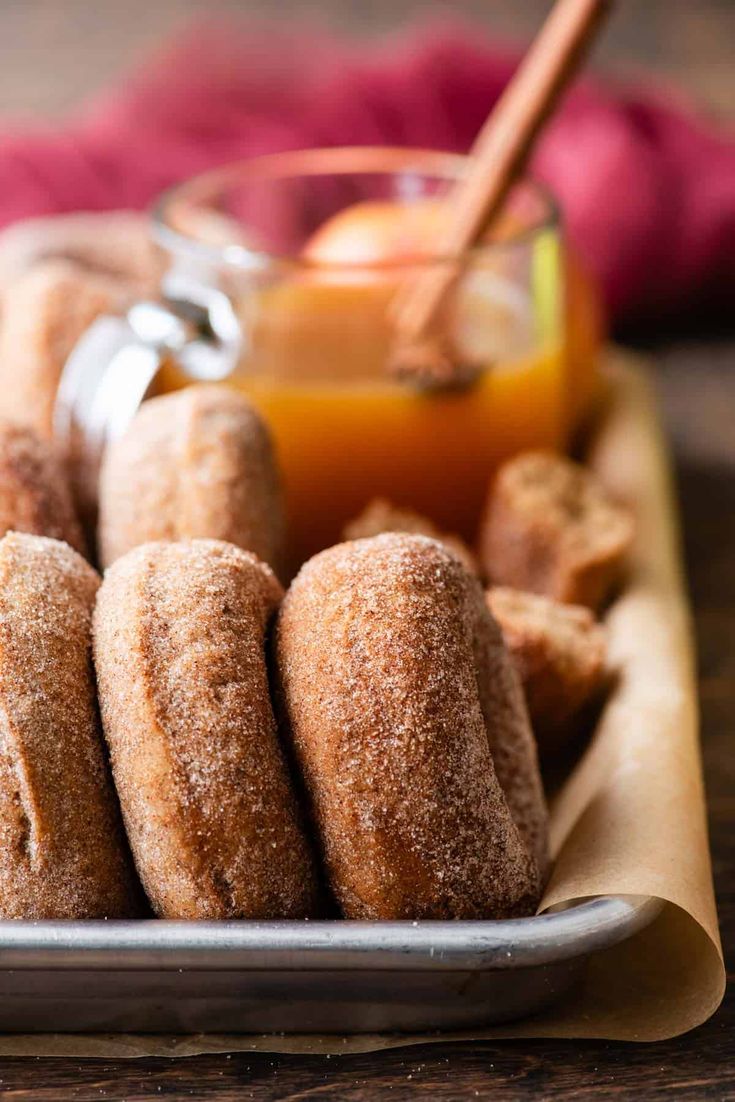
x=179 y=637
x=550 y=528
x=195 y=464
x=380 y=516
x=62 y=849
x=44 y=313
x=35 y=495
x=559 y=652
x=512 y=744
x=380 y=645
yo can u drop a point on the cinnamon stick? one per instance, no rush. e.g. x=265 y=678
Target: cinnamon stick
x=498 y=157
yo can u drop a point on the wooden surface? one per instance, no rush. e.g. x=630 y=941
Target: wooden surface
x=52 y=54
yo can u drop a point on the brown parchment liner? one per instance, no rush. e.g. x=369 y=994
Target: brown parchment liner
x=630 y=819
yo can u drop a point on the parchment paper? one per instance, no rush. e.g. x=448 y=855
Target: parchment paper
x=629 y=820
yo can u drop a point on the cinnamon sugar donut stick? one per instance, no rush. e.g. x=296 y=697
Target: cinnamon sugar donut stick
x=183 y=686
x=196 y=464
x=380 y=645
x=44 y=313
x=62 y=849
x=380 y=516
x=35 y=495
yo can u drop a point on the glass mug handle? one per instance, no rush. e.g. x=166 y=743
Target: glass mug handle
x=112 y=366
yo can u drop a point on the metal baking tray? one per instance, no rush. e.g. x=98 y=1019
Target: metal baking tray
x=156 y=976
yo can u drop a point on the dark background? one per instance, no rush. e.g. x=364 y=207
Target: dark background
x=52 y=55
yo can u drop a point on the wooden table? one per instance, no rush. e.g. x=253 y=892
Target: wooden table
x=72 y=47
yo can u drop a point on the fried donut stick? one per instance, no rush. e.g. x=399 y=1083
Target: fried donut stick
x=179 y=644
x=195 y=464
x=44 y=313
x=62 y=849
x=35 y=495
x=380 y=647
x=380 y=516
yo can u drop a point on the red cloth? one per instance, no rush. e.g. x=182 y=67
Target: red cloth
x=648 y=189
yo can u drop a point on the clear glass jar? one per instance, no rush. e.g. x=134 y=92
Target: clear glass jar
x=286 y=267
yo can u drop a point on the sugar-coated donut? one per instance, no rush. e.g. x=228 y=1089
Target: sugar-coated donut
x=381 y=646
x=44 y=313
x=197 y=464
x=203 y=783
x=35 y=495
x=62 y=849
x=380 y=516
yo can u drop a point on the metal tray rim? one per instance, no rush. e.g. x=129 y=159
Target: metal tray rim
x=154 y=944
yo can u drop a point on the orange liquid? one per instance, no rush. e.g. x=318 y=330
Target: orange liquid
x=342 y=446
x=346 y=433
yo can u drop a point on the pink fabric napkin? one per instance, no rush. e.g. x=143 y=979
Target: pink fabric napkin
x=647 y=188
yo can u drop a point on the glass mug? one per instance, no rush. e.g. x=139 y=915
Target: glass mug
x=278 y=274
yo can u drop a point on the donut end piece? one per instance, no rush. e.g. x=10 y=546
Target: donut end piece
x=559 y=652
x=550 y=528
